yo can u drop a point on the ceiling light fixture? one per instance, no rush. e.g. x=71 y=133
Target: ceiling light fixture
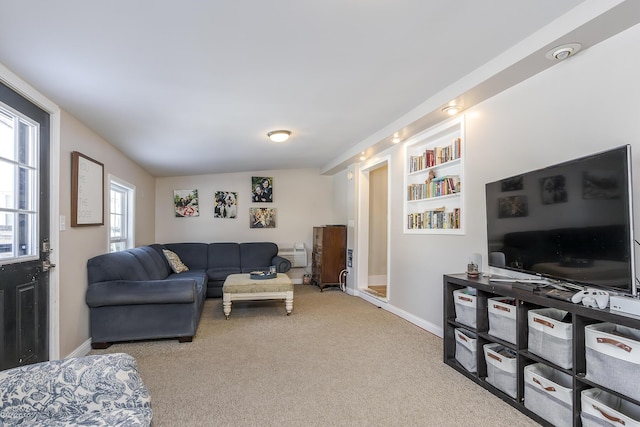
x=395 y=138
x=451 y=109
x=363 y=157
x=564 y=51
x=279 y=135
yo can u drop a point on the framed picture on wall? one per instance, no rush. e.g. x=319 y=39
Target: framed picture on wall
x=261 y=189
x=262 y=218
x=226 y=204
x=87 y=191
x=185 y=203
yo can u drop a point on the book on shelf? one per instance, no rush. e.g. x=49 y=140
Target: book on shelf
x=436 y=187
x=436 y=156
x=436 y=219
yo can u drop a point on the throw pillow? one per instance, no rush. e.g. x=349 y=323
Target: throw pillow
x=174 y=261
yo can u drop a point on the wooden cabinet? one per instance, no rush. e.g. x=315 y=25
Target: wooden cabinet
x=329 y=255
x=525 y=299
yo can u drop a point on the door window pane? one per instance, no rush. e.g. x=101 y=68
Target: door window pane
x=18 y=187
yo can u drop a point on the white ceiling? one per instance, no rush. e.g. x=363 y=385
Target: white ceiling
x=192 y=86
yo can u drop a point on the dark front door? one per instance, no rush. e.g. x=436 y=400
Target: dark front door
x=24 y=231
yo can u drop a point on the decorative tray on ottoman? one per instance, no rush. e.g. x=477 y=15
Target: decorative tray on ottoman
x=262 y=275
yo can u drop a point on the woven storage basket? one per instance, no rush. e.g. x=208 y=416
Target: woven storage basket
x=600 y=408
x=612 y=353
x=501 y=368
x=502 y=318
x=549 y=393
x=550 y=337
x=466 y=349
x=465 y=303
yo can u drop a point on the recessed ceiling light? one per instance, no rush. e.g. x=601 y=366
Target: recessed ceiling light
x=451 y=109
x=564 y=51
x=279 y=135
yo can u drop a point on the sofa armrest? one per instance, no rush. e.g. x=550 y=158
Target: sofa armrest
x=282 y=264
x=127 y=292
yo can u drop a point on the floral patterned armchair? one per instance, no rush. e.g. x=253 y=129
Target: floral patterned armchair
x=101 y=390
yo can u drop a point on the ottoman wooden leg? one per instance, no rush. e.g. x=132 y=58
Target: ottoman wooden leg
x=226 y=304
x=288 y=302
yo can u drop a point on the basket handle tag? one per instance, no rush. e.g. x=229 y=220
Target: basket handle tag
x=463 y=337
x=465 y=298
x=493 y=356
x=620 y=345
x=544 y=322
x=537 y=381
x=609 y=417
x=499 y=307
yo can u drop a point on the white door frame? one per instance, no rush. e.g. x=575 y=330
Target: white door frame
x=362 y=255
x=23 y=88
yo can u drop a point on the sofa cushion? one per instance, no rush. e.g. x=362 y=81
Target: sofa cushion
x=193 y=255
x=164 y=269
x=174 y=261
x=257 y=255
x=153 y=264
x=224 y=256
x=115 y=266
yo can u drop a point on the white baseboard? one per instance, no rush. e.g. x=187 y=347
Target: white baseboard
x=428 y=326
x=83 y=350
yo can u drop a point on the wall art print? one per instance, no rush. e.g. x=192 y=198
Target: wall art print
x=600 y=184
x=226 y=204
x=513 y=207
x=262 y=218
x=185 y=203
x=261 y=189
x=553 y=190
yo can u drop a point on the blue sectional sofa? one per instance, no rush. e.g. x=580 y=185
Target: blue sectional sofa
x=135 y=295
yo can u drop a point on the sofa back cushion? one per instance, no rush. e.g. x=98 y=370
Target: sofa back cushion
x=224 y=256
x=151 y=261
x=115 y=266
x=257 y=255
x=193 y=255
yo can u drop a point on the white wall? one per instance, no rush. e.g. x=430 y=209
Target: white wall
x=586 y=104
x=78 y=244
x=302 y=199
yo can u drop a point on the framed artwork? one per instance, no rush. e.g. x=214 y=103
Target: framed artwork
x=87 y=191
x=262 y=218
x=512 y=184
x=513 y=207
x=261 y=189
x=225 y=204
x=600 y=184
x=553 y=190
x=185 y=203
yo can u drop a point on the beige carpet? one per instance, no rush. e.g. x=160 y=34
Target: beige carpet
x=335 y=361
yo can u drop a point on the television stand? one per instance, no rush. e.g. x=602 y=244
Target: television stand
x=525 y=299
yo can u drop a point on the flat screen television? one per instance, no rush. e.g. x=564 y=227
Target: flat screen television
x=572 y=222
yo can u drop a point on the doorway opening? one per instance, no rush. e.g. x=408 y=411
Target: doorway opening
x=374 y=191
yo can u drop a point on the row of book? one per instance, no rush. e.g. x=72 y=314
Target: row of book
x=435 y=156
x=442 y=186
x=436 y=219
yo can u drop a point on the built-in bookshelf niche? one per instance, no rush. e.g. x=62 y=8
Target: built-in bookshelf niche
x=434 y=191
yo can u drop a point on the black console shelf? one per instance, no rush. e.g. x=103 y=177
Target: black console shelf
x=526 y=298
